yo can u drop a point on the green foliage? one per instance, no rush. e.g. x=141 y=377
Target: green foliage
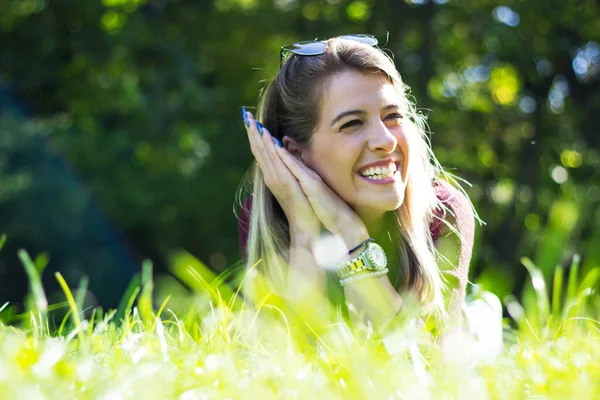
x=551 y=314
x=142 y=97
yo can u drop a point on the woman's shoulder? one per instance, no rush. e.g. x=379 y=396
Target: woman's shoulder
x=456 y=210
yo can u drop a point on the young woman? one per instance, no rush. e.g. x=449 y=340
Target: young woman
x=340 y=148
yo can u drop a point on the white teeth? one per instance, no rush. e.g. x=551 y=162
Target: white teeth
x=378 y=173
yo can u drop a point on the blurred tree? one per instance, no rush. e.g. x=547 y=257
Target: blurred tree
x=142 y=98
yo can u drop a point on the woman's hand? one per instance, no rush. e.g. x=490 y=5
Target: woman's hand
x=305 y=199
x=335 y=215
x=304 y=223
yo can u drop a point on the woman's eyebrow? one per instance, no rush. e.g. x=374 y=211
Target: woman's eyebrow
x=345 y=114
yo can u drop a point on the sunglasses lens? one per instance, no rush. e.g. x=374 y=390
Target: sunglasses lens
x=315 y=47
x=366 y=39
x=306 y=48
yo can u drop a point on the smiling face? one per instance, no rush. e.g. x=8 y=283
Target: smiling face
x=360 y=147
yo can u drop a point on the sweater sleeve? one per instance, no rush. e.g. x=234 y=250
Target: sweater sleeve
x=459 y=214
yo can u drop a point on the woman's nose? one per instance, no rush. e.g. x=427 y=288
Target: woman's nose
x=381 y=139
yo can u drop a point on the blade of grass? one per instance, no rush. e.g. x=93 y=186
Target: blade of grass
x=40 y=262
x=242 y=280
x=92 y=320
x=572 y=284
x=576 y=304
x=80 y=295
x=163 y=305
x=128 y=311
x=35 y=283
x=193 y=273
x=125 y=303
x=557 y=290
x=199 y=277
x=63 y=323
x=585 y=290
x=589 y=281
x=539 y=286
x=145 y=301
x=72 y=304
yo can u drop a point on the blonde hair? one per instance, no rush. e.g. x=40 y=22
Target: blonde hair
x=289 y=106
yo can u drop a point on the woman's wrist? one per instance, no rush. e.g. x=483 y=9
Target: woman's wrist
x=351 y=237
x=354 y=235
x=305 y=277
x=301 y=239
x=354 y=232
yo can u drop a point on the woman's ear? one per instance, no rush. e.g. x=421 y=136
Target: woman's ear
x=293 y=148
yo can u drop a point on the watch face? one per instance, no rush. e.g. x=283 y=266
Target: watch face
x=377 y=255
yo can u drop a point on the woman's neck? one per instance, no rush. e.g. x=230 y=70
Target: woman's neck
x=374 y=222
x=379 y=229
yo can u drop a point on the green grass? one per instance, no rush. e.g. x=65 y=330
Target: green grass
x=211 y=345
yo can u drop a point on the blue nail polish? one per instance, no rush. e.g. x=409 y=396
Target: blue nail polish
x=245 y=117
x=278 y=142
x=260 y=127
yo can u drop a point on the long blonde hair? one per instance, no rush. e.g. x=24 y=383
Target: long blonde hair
x=289 y=106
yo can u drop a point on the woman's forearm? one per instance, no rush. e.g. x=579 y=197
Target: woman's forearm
x=374 y=298
x=305 y=277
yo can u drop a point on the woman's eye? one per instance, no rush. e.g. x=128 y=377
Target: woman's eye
x=350 y=124
x=395 y=116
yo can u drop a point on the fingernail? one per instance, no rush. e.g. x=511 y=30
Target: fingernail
x=260 y=127
x=245 y=117
x=278 y=142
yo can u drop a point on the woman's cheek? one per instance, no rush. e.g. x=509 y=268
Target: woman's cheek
x=405 y=136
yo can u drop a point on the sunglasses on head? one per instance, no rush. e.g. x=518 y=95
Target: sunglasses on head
x=316 y=47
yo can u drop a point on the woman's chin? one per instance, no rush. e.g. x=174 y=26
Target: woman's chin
x=389 y=202
x=382 y=206
x=393 y=206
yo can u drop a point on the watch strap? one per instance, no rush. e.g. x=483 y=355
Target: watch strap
x=354 y=266
x=369 y=240
x=363 y=262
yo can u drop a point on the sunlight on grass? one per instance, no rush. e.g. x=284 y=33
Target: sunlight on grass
x=221 y=347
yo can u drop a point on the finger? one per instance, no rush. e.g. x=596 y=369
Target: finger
x=324 y=201
x=254 y=137
x=276 y=175
x=285 y=186
x=303 y=173
x=262 y=153
x=262 y=137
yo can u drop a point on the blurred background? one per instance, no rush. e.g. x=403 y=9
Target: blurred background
x=121 y=138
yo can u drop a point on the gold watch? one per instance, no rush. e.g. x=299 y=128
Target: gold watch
x=373 y=258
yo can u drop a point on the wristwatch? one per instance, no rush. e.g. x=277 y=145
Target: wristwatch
x=371 y=259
